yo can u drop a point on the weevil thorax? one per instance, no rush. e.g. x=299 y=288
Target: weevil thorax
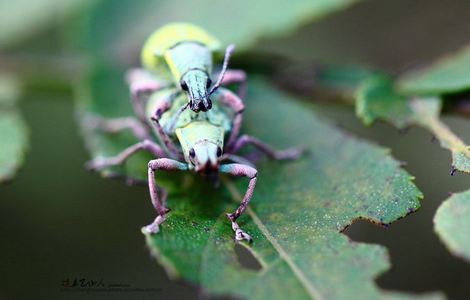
x=200 y=134
x=186 y=51
x=202 y=144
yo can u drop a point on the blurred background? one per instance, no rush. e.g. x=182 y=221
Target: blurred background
x=59 y=222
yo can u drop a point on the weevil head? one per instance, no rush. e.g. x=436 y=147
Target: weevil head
x=204 y=156
x=202 y=145
x=196 y=84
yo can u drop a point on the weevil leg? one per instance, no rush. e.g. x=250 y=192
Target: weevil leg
x=236 y=126
x=236 y=76
x=118 y=124
x=164 y=103
x=251 y=173
x=163 y=195
x=288 y=154
x=166 y=139
x=236 y=159
x=103 y=162
x=142 y=82
x=235 y=103
x=158 y=202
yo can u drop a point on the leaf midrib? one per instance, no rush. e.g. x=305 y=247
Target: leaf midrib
x=311 y=290
x=440 y=129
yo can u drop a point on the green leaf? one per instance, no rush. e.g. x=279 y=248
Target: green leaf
x=297 y=214
x=377 y=98
x=452 y=224
x=13 y=130
x=23 y=18
x=448 y=75
x=121 y=27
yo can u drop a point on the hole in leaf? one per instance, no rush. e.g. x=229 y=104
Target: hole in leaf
x=246 y=258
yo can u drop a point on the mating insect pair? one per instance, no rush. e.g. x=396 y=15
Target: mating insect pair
x=199 y=139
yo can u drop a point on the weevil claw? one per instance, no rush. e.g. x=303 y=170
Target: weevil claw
x=96 y=164
x=240 y=235
x=231 y=217
x=150 y=229
x=292 y=153
x=154 y=227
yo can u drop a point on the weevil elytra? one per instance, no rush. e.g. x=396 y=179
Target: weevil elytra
x=205 y=142
x=180 y=55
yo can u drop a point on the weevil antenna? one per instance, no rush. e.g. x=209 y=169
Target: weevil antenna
x=177 y=115
x=228 y=53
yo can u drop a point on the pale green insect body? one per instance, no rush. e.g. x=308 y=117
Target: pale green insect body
x=192 y=128
x=182 y=53
x=157 y=51
x=186 y=57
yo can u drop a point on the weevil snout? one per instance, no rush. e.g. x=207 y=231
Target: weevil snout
x=197 y=83
x=205 y=157
x=201 y=105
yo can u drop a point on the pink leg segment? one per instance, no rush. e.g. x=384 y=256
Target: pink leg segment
x=163 y=104
x=291 y=153
x=236 y=159
x=235 y=103
x=170 y=145
x=117 y=125
x=251 y=173
x=103 y=162
x=142 y=82
x=165 y=164
x=236 y=76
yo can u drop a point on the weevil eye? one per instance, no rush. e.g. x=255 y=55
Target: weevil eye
x=184 y=85
x=209 y=83
x=192 y=153
x=219 y=151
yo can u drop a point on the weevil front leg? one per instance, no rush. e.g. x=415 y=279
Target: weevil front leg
x=103 y=162
x=158 y=202
x=162 y=105
x=288 y=154
x=142 y=82
x=236 y=159
x=251 y=173
x=236 y=76
x=117 y=125
x=235 y=103
x=165 y=138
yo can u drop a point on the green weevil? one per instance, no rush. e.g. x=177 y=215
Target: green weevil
x=187 y=140
x=180 y=55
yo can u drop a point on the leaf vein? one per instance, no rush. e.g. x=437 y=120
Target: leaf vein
x=311 y=290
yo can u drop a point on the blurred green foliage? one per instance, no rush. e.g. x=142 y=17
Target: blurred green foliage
x=13 y=131
x=450 y=222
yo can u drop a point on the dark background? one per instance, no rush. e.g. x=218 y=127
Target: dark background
x=59 y=222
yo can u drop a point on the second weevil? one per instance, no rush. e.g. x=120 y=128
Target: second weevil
x=180 y=56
